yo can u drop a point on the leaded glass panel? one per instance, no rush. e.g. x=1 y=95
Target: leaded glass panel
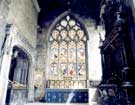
x=72 y=23
x=64 y=23
x=63 y=69
x=63 y=34
x=72 y=34
x=81 y=70
x=55 y=34
x=68 y=54
x=54 y=70
x=72 y=69
x=81 y=52
x=72 y=52
x=54 y=52
x=80 y=33
x=63 y=52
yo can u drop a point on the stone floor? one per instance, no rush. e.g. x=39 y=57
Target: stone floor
x=61 y=104
x=55 y=104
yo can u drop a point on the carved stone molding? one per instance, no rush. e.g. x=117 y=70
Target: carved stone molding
x=20 y=41
x=17 y=39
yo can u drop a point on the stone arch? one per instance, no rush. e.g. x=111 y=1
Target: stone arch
x=19 y=73
x=76 y=17
x=25 y=50
x=81 y=26
x=24 y=53
x=31 y=61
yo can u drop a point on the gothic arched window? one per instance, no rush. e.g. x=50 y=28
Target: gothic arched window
x=67 y=60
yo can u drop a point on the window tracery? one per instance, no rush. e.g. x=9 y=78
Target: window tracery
x=67 y=54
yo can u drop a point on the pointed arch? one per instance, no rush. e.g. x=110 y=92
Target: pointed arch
x=67 y=52
x=75 y=17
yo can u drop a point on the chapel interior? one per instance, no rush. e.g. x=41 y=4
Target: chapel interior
x=73 y=52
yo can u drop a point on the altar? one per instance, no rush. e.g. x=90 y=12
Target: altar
x=66 y=96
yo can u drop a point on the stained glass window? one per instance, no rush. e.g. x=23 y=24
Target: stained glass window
x=68 y=54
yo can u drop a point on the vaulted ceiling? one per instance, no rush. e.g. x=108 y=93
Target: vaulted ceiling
x=52 y=8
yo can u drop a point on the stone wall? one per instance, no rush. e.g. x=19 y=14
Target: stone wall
x=4 y=8
x=42 y=49
x=22 y=13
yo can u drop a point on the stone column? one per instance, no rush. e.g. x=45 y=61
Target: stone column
x=5 y=67
x=4 y=10
x=6 y=62
x=31 y=81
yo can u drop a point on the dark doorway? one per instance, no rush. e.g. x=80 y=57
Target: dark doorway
x=18 y=74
